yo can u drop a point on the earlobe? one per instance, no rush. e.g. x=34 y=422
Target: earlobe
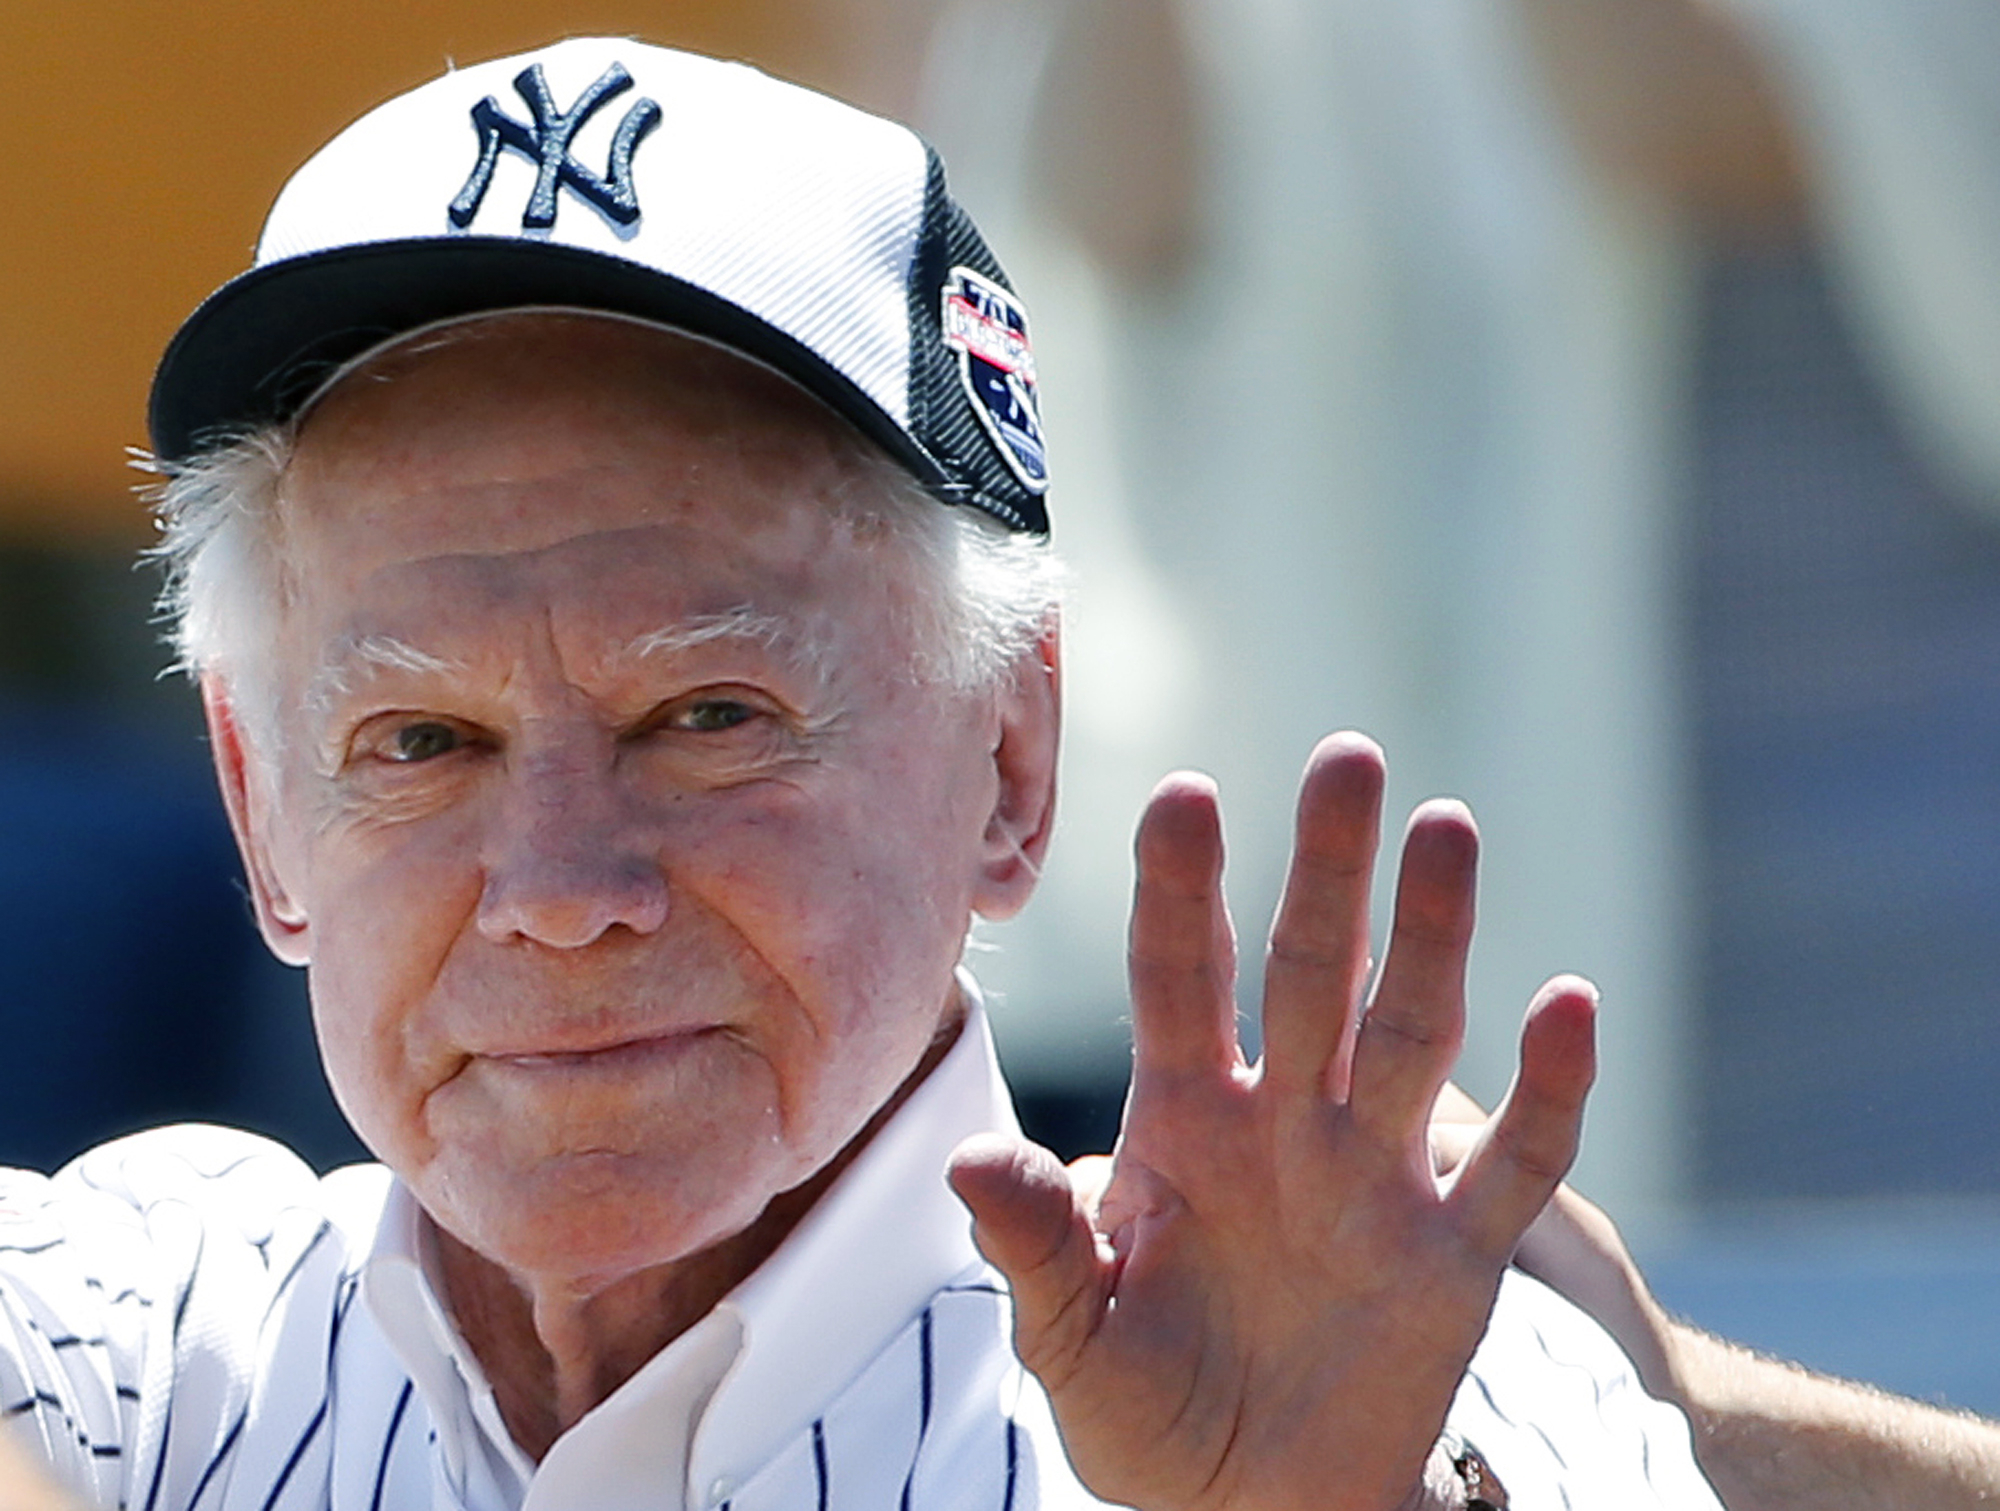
x=1024 y=757
x=247 y=797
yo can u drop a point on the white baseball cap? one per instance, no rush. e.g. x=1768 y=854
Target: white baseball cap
x=608 y=174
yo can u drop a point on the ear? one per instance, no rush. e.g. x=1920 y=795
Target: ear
x=1024 y=757
x=246 y=793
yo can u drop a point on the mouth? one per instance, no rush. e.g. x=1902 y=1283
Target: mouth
x=612 y=1054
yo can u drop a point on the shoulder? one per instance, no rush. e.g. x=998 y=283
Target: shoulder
x=1532 y=1322
x=143 y=1287
x=223 y=1171
x=197 y=1161
x=1552 y=1402
x=182 y=1196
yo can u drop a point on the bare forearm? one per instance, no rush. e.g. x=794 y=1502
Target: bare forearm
x=1774 y=1437
x=1769 y=1435
x=24 y=1485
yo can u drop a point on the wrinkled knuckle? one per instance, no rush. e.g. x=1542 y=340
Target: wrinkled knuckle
x=1443 y=934
x=1054 y=1249
x=1287 y=952
x=1054 y=1347
x=1178 y=960
x=1332 y=857
x=1545 y=1159
x=1413 y=1032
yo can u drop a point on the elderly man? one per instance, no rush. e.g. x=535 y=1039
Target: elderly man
x=619 y=599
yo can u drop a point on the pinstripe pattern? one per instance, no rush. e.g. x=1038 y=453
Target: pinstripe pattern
x=389 y=1441
x=822 y=1490
x=943 y=1419
x=181 y=1328
x=926 y=1386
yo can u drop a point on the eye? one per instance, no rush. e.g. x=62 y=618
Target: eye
x=702 y=716
x=422 y=741
x=709 y=715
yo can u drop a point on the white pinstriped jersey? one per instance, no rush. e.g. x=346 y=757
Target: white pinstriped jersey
x=195 y=1321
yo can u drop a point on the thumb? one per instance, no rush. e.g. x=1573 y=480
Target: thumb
x=1032 y=1225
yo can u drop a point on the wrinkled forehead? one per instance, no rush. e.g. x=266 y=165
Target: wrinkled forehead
x=518 y=431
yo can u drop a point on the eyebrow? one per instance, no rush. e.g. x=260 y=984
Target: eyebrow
x=385 y=652
x=801 y=645
x=739 y=623
x=370 y=652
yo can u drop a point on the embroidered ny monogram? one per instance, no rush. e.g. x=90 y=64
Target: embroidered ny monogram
x=547 y=143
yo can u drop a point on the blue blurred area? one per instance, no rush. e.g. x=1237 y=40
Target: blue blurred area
x=1844 y=618
x=133 y=989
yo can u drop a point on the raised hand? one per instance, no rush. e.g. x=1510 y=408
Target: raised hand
x=1275 y=1299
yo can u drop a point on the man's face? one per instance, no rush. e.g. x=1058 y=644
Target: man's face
x=629 y=854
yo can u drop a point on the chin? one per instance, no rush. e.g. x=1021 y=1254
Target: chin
x=593 y=1217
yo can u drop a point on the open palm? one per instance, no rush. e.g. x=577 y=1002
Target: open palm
x=1273 y=1301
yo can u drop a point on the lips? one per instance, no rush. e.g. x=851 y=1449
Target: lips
x=610 y=1053
x=547 y=1028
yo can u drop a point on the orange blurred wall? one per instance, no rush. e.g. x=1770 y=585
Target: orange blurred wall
x=143 y=141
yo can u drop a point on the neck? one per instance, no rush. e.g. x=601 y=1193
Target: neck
x=552 y=1351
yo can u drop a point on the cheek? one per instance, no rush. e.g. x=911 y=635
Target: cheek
x=858 y=899
x=865 y=891
x=363 y=1078
x=385 y=912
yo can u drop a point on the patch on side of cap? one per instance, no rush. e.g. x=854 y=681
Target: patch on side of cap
x=988 y=328
x=545 y=141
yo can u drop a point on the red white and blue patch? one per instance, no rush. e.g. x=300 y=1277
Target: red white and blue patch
x=988 y=328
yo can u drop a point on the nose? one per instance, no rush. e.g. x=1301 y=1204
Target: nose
x=569 y=864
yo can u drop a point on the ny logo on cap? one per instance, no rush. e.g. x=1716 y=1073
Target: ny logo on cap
x=547 y=144
x=985 y=324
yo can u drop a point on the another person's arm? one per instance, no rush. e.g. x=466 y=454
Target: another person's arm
x=24 y=1483
x=1770 y=1435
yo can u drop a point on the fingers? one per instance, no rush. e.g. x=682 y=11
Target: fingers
x=1182 y=956
x=1318 y=960
x=1414 y=1026
x=1031 y=1225
x=1530 y=1142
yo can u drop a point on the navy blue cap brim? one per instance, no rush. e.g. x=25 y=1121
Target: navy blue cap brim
x=263 y=344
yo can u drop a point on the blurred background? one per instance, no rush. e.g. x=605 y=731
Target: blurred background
x=1596 y=400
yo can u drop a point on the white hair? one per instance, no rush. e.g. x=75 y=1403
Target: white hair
x=986 y=594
